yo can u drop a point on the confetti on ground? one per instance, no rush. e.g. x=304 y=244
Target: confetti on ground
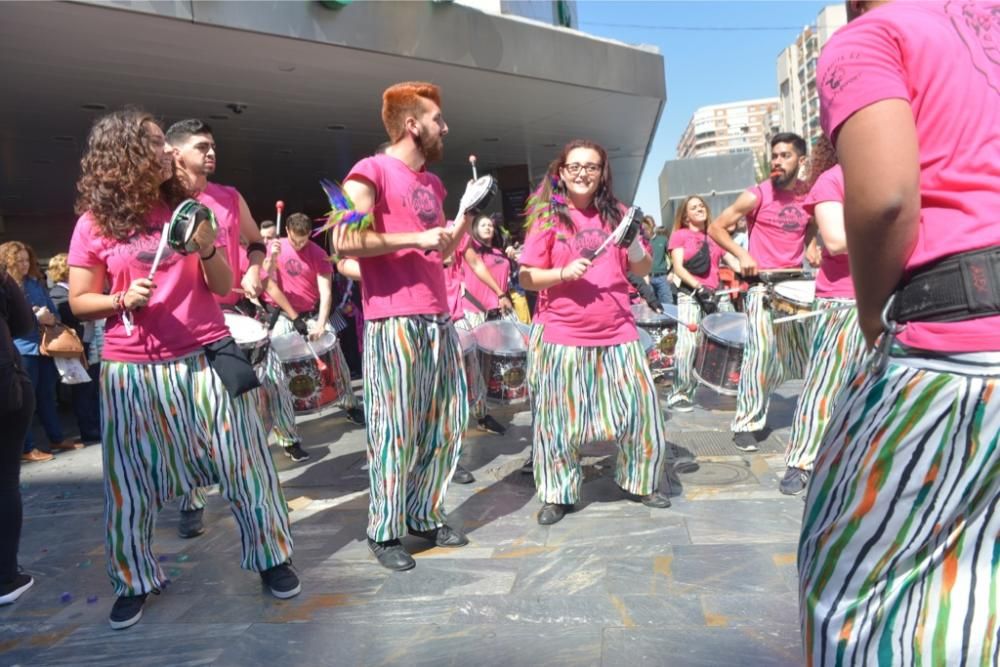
x=65 y=597
x=164 y=559
x=174 y=572
x=91 y=599
x=85 y=563
x=183 y=558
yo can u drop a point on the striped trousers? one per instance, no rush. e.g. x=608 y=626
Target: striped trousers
x=685 y=384
x=417 y=408
x=773 y=354
x=171 y=427
x=274 y=405
x=838 y=351
x=899 y=558
x=474 y=377
x=346 y=398
x=595 y=394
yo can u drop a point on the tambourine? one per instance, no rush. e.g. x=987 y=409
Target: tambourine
x=478 y=194
x=184 y=222
x=629 y=226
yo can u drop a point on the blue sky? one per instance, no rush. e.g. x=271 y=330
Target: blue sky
x=702 y=67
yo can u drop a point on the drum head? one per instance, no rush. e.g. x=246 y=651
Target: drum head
x=646 y=316
x=730 y=328
x=291 y=346
x=244 y=329
x=466 y=340
x=501 y=337
x=801 y=292
x=479 y=193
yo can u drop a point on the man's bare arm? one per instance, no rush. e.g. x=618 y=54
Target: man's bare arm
x=722 y=227
x=369 y=243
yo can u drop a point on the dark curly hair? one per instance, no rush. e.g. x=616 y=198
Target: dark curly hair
x=824 y=158
x=120 y=173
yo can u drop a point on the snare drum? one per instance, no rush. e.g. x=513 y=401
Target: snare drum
x=312 y=388
x=660 y=365
x=473 y=376
x=662 y=327
x=503 y=351
x=250 y=335
x=793 y=297
x=720 y=352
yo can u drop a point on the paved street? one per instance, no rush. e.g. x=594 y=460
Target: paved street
x=710 y=581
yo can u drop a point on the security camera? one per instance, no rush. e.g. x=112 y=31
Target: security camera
x=237 y=107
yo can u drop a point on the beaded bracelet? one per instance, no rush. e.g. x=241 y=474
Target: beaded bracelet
x=118 y=302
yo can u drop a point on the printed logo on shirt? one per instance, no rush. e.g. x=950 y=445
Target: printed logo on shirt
x=792 y=218
x=588 y=241
x=294 y=267
x=142 y=250
x=839 y=76
x=978 y=26
x=425 y=204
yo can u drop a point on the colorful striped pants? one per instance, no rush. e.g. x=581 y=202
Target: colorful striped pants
x=170 y=427
x=347 y=399
x=899 y=559
x=685 y=384
x=773 y=354
x=274 y=405
x=474 y=377
x=838 y=351
x=595 y=394
x=417 y=408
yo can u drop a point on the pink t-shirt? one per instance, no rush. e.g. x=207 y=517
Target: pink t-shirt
x=225 y=204
x=593 y=310
x=833 y=281
x=453 y=275
x=691 y=241
x=956 y=105
x=777 y=226
x=410 y=281
x=182 y=315
x=296 y=272
x=499 y=267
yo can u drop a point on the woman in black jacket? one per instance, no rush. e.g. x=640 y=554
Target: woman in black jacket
x=17 y=405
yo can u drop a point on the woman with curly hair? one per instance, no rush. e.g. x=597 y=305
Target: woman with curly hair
x=591 y=378
x=20 y=263
x=177 y=412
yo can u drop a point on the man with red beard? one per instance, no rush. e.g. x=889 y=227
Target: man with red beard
x=778 y=226
x=415 y=386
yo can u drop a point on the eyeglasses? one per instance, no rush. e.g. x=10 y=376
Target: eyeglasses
x=574 y=168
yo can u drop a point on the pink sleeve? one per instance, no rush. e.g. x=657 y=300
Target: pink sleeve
x=537 y=251
x=82 y=246
x=370 y=170
x=828 y=187
x=677 y=239
x=861 y=65
x=319 y=260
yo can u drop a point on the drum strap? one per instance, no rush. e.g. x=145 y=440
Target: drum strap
x=960 y=287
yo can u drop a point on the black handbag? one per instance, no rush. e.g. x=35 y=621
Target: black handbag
x=702 y=260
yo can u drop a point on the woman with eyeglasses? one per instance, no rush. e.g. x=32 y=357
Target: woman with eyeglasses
x=591 y=378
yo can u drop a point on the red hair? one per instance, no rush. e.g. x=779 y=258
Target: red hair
x=402 y=100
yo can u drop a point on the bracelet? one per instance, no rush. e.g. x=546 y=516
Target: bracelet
x=210 y=255
x=118 y=302
x=561 y=269
x=256 y=246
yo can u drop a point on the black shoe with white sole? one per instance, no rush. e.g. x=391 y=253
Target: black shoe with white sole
x=746 y=441
x=14 y=589
x=282 y=581
x=794 y=482
x=491 y=425
x=462 y=476
x=127 y=611
x=295 y=452
x=191 y=524
x=356 y=416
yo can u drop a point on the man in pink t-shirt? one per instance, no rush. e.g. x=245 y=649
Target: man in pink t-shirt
x=415 y=385
x=778 y=228
x=898 y=553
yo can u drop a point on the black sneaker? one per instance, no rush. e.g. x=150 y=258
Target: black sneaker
x=794 y=482
x=392 y=555
x=356 y=416
x=528 y=467
x=443 y=536
x=282 y=581
x=295 y=452
x=745 y=441
x=680 y=404
x=10 y=592
x=462 y=476
x=127 y=611
x=191 y=524
x=491 y=425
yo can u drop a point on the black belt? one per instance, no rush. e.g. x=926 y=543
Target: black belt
x=657 y=275
x=960 y=287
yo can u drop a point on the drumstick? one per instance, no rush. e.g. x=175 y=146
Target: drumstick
x=319 y=362
x=472 y=161
x=811 y=313
x=279 y=206
x=126 y=316
x=691 y=326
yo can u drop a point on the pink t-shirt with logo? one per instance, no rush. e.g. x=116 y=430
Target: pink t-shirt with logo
x=691 y=241
x=594 y=310
x=833 y=281
x=777 y=226
x=296 y=272
x=499 y=267
x=225 y=204
x=410 y=281
x=956 y=105
x=181 y=316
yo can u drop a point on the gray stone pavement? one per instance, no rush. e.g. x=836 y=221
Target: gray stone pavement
x=710 y=581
